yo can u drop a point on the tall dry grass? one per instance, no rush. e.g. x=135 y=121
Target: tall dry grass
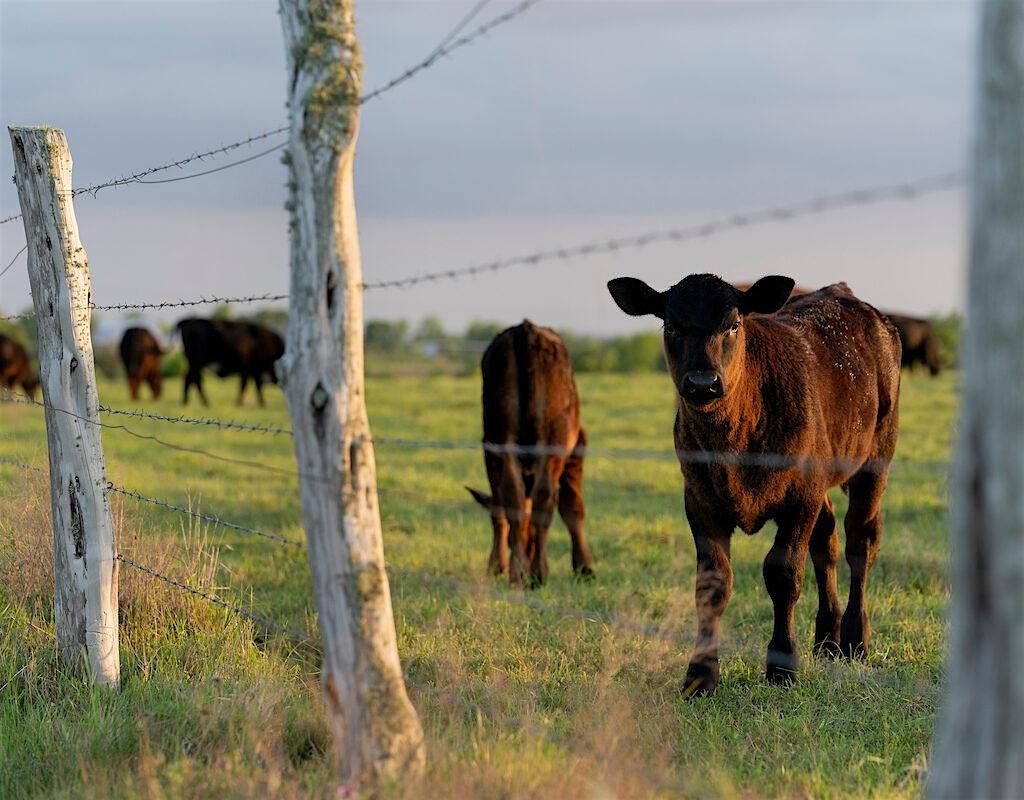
x=213 y=713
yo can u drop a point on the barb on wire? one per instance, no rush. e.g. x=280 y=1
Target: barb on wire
x=264 y=621
x=883 y=193
x=212 y=518
x=16 y=255
x=11 y=218
x=210 y=422
x=448 y=46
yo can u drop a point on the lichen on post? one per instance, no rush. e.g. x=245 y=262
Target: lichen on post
x=378 y=735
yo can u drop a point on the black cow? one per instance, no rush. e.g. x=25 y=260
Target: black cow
x=243 y=348
x=920 y=344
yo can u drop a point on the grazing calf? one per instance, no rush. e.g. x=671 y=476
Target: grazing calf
x=529 y=398
x=920 y=344
x=243 y=348
x=140 y=353
x=15 y=367
x=795 y=402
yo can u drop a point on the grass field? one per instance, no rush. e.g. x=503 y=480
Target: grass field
x=558 y=705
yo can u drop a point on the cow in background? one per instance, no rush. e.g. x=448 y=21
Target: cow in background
x=529 y=399
x=246 y=349
x=15 y=367
x=920 y=344
x=140 y=354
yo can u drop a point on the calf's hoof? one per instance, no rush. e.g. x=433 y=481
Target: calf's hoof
x=701 y=679
x=854 y=635
x=781 y=668
x=585 y=573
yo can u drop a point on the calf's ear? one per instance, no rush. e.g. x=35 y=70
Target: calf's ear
x=636 y=298
x=766 y=296
x=480 y=497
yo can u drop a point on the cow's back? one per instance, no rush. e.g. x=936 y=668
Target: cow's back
x=136 y=344
x=529 y=395
x=852 y=358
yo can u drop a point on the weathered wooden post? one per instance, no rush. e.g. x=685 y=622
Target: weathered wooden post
x=377 y=732
x=979 y=751
x=85 y=570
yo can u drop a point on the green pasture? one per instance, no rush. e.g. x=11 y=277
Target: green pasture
x=579 y=704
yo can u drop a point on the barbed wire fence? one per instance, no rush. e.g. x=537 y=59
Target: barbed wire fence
x=903 y=191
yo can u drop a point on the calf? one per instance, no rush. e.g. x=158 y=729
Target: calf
x=773 y=410
x=15 y=367
x=140 y=354
x=236 y=348
x=920 y=344
x=530 y=399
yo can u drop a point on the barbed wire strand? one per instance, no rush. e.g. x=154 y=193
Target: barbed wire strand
x=448 y=48
x=214 y=300
x=221 y=168
x=211 y=518
x=11 y=462
x=210 y=422
x=7 y=398
x=256 y=298
x=11 y=264
x=858 y=197
x=260 y=620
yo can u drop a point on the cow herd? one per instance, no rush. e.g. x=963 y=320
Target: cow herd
x=781 y=395
x=779 y=398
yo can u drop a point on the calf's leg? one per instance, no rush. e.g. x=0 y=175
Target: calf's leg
x=863 y=525
x=155 y=383
x=713 y=590
x=825 y=555
x=544 y=498
x=570 y=507
x=510 y=496
x=783 y=576
x=497 y=562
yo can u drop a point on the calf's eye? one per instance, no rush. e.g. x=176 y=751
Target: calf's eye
x=734 y=329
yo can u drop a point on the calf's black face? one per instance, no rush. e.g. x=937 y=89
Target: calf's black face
x=703 y=318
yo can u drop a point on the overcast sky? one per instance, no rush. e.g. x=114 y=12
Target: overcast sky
x=578 y=121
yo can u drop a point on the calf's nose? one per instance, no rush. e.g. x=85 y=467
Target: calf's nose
x=702 y=384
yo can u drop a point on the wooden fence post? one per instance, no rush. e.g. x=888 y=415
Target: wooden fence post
x=377 y=732
x=979 y=750
x=84 y=565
